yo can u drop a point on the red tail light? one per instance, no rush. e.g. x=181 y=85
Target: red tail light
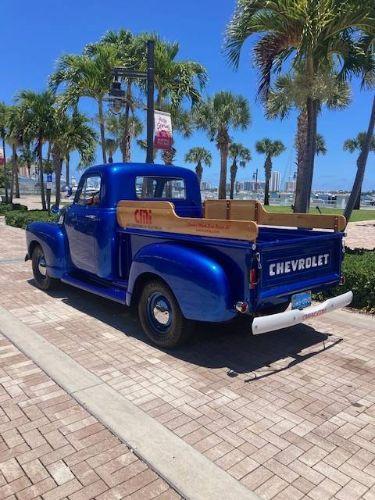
x=253 y=278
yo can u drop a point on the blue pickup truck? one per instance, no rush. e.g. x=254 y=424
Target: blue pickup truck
x=138 y=234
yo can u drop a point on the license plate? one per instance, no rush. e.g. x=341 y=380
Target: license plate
x=301 y=300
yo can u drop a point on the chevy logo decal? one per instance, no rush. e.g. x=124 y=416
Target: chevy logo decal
x=293 y=265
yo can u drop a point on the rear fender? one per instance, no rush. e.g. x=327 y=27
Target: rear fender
x=52 y=238
x=198 y=281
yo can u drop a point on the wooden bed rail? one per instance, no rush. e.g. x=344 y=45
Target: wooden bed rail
x=253 y=210
x=161 y=216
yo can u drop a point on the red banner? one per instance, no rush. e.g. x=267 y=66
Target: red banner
x=163 y=138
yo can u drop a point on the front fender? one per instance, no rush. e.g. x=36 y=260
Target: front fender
x=52 y=238
x=197 y=280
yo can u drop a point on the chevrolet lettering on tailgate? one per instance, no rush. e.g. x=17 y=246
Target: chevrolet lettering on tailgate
x=293 y=265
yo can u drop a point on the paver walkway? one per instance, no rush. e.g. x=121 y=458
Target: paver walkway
x=361 y=234
x=50 y=446
x=289 y=414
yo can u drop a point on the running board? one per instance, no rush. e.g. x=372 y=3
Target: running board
x=111 y=293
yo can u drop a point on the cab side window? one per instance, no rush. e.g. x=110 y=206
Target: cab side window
x=90 y=193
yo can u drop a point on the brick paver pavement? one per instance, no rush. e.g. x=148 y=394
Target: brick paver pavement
x=361 y=234
x=51 y=447
x=289 y=414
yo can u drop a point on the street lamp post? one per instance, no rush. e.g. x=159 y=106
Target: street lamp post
x=117 y=95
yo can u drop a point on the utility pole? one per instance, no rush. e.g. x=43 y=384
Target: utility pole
x=150 y=100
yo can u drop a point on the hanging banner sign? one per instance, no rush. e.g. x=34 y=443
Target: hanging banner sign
x=2 y=160
x=163 y=138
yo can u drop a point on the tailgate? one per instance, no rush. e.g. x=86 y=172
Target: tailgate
x=304 y=263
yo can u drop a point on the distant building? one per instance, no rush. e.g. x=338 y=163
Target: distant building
x=253 y=186
x=290 y=186
x=205 y=185
x=275 y=181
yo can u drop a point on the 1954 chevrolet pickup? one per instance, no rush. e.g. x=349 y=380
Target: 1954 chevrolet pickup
x=138 y=234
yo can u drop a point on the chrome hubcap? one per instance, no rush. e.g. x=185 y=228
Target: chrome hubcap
x=161 y=312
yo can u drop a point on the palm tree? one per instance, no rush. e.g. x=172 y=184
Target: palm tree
x=130 y=53
x=87 y=76
x=111 y=147
x=71 y=133
x=3 y=131
x=271 y=149
x=124 y=129
x=241 y=154
x=199 y=156
x=354 y=145
x=361 y=164
x=38 y=121
x=289 y=91
x=310 y=36
x=218 y=115
x=14 y=139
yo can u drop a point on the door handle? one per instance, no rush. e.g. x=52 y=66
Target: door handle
x=91 y=217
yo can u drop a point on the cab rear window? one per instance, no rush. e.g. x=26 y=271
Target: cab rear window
x=160 y=188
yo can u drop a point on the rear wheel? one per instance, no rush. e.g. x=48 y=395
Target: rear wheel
x=43 y=281
x=161 y=317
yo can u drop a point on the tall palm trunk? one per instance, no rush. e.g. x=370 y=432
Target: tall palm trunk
x=17 y=181
x=233 y=174
x=199 y=171
x=126 y=138
x=5 y=172
x=67 y=169
x=223 y=144
x=57 y=166
x=13 y=177
x=300 y=140
x=267 y=170
x=361 y=165
x=41 y=180
x=102 y=130
x=305 y=175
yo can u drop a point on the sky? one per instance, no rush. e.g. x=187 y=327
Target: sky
x=34 y=34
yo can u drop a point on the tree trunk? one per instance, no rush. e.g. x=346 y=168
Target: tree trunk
x=102 y=130
x=6 y=186
x=305 y=174
x=361 y=165
x=233 y=174
x=300 y=140
x=67 y=169
x=57 y=166
x=13 y=176
x=199 y=171
x=267 y=170
x=223 y=143
x=41 y=180
x=17 y=180
x=126 y=152
x=357 y=205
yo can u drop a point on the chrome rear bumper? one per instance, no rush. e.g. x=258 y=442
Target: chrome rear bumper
x=295 y=316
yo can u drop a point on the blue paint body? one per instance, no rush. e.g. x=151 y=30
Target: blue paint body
x=207 y=275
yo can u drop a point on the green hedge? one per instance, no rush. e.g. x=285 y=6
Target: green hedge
x=7 y=207
x=359 y=272
x=19 y=218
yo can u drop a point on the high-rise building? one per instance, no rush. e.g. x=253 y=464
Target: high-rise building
x=275 y=181
x=290 y=186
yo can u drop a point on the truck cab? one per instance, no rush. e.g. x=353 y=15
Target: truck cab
x=138 y=234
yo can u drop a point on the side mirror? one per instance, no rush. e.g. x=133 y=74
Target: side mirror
x=55 y=210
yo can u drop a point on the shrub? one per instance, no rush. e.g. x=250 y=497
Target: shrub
x=20 y=218
x=359 y=272
x=7 y=207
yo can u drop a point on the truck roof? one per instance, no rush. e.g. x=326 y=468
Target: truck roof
x=135 y=169
x=120 y=180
